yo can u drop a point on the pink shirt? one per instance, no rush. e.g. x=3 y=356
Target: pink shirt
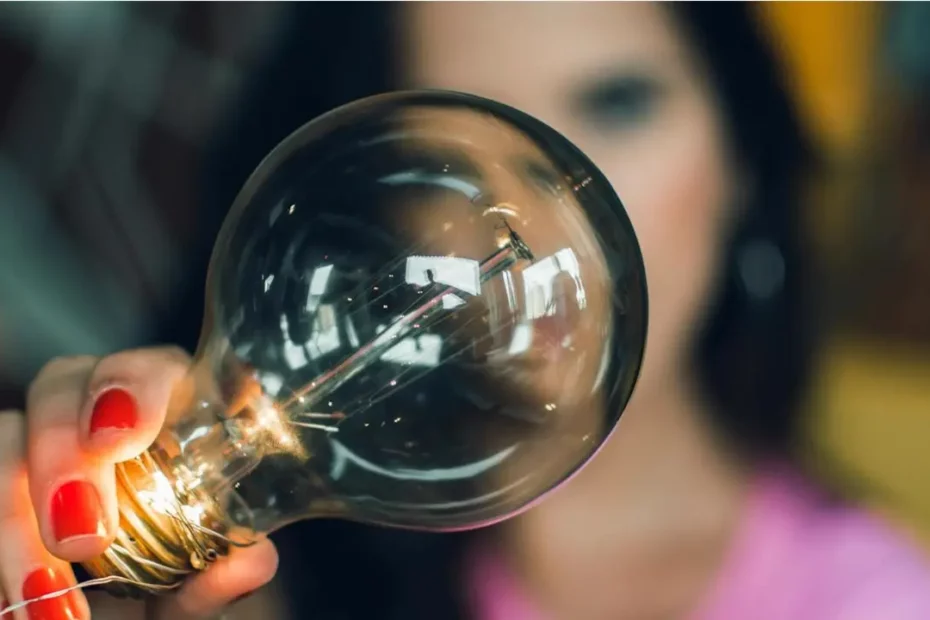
x=797 y=557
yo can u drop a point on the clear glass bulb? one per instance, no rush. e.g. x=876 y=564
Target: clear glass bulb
x=424 y=310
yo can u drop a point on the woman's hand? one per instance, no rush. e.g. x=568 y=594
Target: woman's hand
x=57 y=488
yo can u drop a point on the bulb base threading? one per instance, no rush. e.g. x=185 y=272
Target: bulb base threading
x=157 y=545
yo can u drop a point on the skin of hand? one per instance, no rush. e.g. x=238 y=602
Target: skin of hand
x=83 y=416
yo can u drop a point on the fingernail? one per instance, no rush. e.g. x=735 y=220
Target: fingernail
x=76 y=511
x=45 y=581
x=114 y=409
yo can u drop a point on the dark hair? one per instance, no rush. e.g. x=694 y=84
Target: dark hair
x=753 y=355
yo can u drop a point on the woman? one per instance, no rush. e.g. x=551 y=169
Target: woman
x=685 y=513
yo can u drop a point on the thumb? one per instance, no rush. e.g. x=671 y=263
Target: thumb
x=243 y=571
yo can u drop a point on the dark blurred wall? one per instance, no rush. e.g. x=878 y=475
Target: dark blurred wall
x=870 y=409
x=106 y=110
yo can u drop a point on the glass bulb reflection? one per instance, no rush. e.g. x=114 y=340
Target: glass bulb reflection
x=424 y=310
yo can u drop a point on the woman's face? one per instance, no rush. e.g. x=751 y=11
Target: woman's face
x=619 y=80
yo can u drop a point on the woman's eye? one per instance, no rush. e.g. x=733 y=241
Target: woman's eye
x=619 y=103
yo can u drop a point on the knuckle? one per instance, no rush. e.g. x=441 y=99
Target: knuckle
x=63 y=364
x=134 y=364
x=174 y=354
x=56 y=370
x=115 y=368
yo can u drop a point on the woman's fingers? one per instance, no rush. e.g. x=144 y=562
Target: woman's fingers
x=126 y=401
x=209 y=595
x=243 y=571
x=74 y=496
x=84 y=415
x=27 y=569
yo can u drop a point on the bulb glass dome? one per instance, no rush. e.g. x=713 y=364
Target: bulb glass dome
x=425 y=310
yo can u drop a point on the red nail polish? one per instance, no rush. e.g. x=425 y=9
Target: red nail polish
x=114 y=408
x=4 y=605
x=76 y=511
x=45 y=581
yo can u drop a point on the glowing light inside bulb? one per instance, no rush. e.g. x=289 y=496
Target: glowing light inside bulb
x=271 y=428
x=163 y=498
x=193 y=513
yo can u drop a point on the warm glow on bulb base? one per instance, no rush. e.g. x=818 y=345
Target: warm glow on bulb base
x=158 y=543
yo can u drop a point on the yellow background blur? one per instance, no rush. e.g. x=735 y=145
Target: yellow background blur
x=871 y=400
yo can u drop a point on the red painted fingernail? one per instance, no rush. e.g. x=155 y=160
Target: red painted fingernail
x=115 y=408
x=4 y=605
x=76 y=511
x=45 y=581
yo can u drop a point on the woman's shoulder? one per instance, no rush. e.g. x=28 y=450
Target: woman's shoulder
x=801 y=554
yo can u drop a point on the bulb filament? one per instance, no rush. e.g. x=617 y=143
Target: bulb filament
x=513 y=249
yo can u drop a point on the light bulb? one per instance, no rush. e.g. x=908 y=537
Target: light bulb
x=424 y=310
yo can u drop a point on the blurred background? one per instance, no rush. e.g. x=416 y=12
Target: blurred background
x=108 y=117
